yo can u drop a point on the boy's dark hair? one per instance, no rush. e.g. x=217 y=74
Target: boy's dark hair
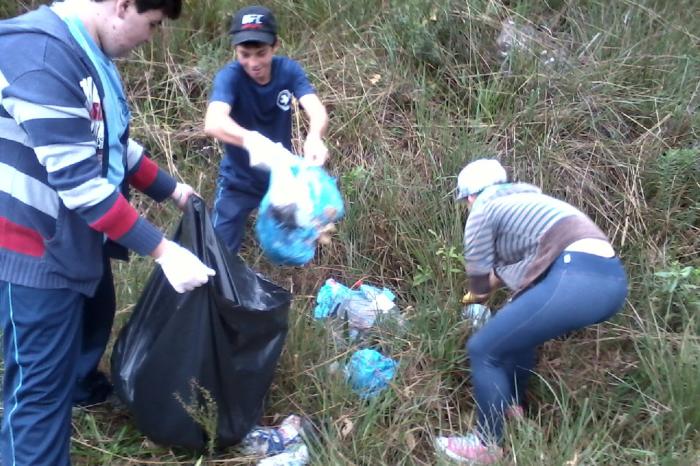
x=171 y=8
x=256 y=43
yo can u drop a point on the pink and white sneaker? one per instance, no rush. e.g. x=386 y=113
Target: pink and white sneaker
x=515 y=412
x=468 y=450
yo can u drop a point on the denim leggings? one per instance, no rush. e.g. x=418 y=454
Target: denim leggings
x=578 y=290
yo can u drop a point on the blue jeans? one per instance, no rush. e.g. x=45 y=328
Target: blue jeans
x=578 y=290
x=41 y=344
x=231 y=211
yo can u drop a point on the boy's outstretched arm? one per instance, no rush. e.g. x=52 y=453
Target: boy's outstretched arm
x=219 y=124
x=262 y=151
x=314 y=148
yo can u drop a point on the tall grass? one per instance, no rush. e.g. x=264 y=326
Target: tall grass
x=415 y=90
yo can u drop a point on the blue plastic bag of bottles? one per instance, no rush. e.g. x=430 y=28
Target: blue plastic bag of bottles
x=302 y=202
x=361 y=307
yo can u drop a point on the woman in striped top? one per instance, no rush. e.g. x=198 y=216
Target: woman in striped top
x=551 y=256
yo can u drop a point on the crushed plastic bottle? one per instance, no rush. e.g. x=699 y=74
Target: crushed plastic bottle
x=296 y=455
x=522 y=37
x=291 y=428
x=282 y=446
x=476 y=314
x=262 y=441
x=362 y=308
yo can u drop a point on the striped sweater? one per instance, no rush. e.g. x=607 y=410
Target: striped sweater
x=516 y=231
x=56 y=204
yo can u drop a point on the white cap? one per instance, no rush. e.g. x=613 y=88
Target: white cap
x=478 y=175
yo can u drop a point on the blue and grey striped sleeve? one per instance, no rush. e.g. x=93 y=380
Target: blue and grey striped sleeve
x=146 y=176
x=58 y=127
x=50 y=105
x=479 y=243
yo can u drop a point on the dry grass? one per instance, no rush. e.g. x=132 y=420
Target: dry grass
x=415 y=90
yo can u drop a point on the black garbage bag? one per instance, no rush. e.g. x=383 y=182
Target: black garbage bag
x=219 y=342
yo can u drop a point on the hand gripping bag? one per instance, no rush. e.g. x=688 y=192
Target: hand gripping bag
x=213 y=349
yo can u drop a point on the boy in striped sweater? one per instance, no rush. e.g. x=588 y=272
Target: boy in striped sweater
x=66 y=161
x=550 y=255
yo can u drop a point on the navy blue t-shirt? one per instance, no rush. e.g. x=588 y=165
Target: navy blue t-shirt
x=263 y=108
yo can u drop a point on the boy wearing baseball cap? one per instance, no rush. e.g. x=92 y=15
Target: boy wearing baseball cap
x=250 y=112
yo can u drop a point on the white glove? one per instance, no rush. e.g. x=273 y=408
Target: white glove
x=183 y=269
x=265 y=154
x=315 y=151
x=181 y=194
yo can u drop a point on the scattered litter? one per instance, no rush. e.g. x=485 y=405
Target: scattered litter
x=369 y=372
x=282 y=446
x=297 y=455
x=262 y=441
x=360 y=307
x=329 y=298
x=476 y=314
x=515 y=37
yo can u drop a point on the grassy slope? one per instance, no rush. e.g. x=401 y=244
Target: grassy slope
x=416 y=89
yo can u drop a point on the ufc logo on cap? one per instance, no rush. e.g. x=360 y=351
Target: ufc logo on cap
x=252 y=19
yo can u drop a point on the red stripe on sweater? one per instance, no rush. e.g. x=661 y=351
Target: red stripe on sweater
x=146 y=174
x=118 y=220
x=20 y=239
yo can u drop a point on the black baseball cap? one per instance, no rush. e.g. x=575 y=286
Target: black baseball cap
x=254 y=24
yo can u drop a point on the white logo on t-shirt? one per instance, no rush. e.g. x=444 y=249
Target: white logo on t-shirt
x=284 y=100
x=93 y=104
